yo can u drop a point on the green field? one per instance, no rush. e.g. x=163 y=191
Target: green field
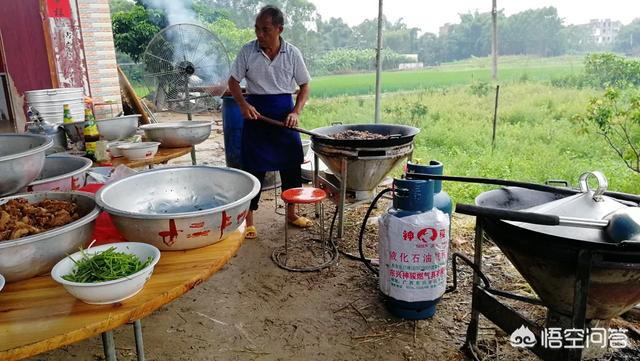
x=511 y=69
x=536 y=139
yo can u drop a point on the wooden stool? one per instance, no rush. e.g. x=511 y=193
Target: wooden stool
x=304 y=195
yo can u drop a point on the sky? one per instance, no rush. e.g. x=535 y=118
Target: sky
x=429 y=15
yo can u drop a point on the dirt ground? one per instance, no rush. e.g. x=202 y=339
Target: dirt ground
x=253 y=310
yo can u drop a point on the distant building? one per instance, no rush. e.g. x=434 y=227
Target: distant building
x=412 y=62
x=604 y=31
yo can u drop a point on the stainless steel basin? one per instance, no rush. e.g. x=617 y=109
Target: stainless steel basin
x=30 y=256
x=118 y=127
x=21 y=160
x=61 y=173
x=178 y=134
x=179 y=208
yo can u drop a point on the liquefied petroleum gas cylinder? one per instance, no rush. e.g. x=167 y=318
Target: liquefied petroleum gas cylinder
x=441 y=199
x=413 y=244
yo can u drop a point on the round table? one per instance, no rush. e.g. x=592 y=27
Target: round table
x=38 y=315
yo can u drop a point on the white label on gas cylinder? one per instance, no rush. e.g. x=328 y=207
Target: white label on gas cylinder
x=413 y=254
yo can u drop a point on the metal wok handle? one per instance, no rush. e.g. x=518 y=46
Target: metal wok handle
x=299 y=130
x=504 y=214
x=530 y=217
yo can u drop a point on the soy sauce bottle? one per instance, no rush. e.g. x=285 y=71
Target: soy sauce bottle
x=91 y=134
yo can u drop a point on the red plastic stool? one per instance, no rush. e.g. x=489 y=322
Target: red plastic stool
x=304 y=195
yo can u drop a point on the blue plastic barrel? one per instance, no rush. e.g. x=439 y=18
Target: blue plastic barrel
x=232 y=130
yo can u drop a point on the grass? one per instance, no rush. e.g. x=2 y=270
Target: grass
x=536 y=139
x=441 y=77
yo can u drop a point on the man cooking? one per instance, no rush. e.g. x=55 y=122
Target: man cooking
x=272 y=68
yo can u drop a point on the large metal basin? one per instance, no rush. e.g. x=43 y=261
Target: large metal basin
x=119 y=127
x=30 y=256
x=61 y=173
x=178 y=134
x=21 y=160
x=179 y=208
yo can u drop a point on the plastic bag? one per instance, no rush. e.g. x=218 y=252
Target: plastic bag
x=413 y=253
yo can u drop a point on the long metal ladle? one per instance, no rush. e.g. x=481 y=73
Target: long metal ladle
x=299 y=130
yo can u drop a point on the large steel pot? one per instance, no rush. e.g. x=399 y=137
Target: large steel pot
x=61 y=173
x=548 y=261
x=179 y=208
x=21 y=160
x=178 y=134
x=32 y=255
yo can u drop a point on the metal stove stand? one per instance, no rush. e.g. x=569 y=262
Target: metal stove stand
x=486 y=302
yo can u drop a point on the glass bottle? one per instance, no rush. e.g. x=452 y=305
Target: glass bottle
x=91 y=134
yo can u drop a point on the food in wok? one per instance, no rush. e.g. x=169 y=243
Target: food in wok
x=19 y=218
x=358 y=134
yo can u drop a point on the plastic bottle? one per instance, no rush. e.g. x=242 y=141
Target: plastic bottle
x=91 y=134
x=66 y=114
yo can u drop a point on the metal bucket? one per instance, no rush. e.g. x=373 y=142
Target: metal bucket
x=49 y=103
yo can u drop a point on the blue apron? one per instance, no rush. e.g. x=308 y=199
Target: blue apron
x=266 y=147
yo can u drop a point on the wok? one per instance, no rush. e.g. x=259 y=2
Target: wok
x=399 y=135
x=548 y=262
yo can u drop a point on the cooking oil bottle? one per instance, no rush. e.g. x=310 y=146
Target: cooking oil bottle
x=91 y=134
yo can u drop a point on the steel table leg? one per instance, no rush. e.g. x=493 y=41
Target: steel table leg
x=137 y=331
x=109 y=346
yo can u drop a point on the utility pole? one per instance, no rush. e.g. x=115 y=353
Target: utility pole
x=379 y=62
x=494 y=41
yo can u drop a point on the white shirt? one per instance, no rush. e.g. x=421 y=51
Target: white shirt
x=265 y=76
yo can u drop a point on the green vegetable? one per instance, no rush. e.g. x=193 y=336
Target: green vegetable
x=104 y=266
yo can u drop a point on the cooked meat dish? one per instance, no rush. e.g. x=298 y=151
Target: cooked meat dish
x=358 y=135
x=19 y=218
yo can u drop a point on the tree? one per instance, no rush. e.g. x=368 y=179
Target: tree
x=628 y=39
x=533 y=32
x=134 y=29
x=120 y=5
x=616 y=116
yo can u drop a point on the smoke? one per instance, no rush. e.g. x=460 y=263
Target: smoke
x=177 y=11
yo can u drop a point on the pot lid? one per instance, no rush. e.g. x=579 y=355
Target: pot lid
x=588 y=204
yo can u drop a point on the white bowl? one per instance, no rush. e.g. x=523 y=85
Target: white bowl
x=110 y=291
x=113 y=148
x=1 y=282
x=139 y=151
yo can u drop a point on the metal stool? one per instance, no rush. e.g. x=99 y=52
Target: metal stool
x=280 y=255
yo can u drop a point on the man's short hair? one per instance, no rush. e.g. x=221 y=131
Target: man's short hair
x=276 y=15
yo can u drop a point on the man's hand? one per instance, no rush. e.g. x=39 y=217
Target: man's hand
x=292 y=120
x=249 y=112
